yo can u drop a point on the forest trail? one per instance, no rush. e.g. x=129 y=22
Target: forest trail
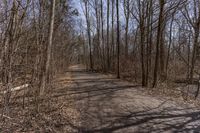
x=107 y=104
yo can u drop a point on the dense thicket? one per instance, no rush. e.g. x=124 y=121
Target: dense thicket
x=36 y=42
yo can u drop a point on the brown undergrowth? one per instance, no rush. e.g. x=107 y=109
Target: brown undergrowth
x=56 y=112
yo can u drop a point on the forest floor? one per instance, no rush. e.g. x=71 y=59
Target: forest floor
x=86 y=102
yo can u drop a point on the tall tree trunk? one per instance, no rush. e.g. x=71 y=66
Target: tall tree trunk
x=102 y=36
x=169 y=47
x=149 y=41
x=7 y=60
x=118 y=40
x=45 y=78
x=98 y=30
x=162 y=50
x=108 y=36
x=127 y=16
x=112 y=42
x=89 y=34
x=142 y=39
x=196 y=36
x=158 y=41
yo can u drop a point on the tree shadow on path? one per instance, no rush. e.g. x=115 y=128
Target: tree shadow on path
x=108 y=106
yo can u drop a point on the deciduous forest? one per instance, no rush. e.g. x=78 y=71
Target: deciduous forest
x=99 y=66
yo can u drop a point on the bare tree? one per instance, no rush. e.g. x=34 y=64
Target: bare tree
x=108 y=36
x=126 y=4
x=158 y=41
x=86 y=2
x=118 y=40
x=194 y=21
x=46 y=74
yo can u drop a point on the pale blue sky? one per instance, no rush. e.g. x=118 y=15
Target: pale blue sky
x=77 y=5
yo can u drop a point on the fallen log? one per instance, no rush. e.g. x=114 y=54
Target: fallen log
x=18 y=88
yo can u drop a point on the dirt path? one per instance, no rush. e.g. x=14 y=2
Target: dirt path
x=110 y=105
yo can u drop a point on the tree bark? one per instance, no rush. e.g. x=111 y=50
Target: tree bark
x=158 y=41
x=45 y=78
x=118 y=40
x=108 y=36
